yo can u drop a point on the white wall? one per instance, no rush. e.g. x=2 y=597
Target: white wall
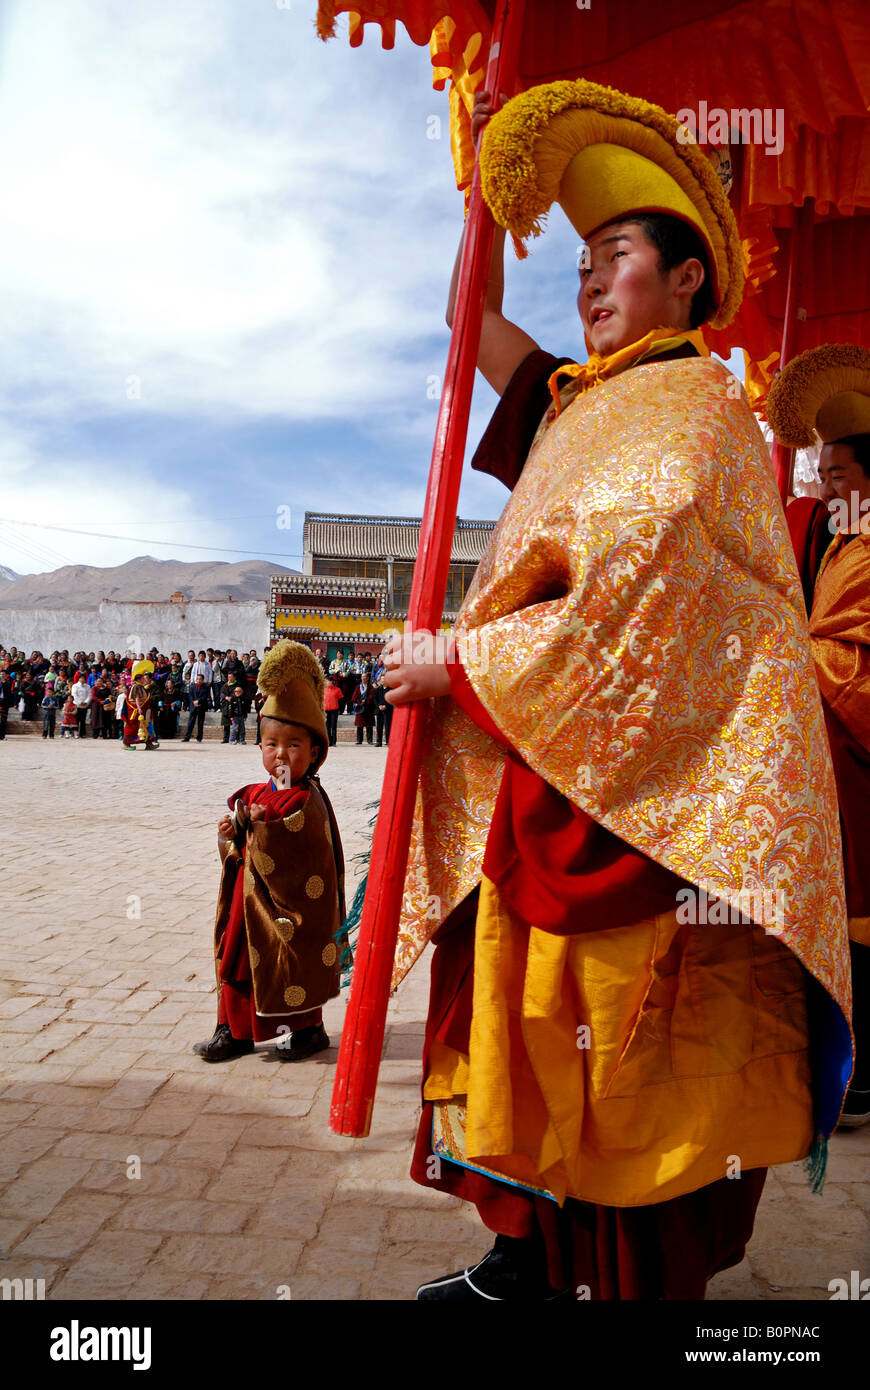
x=138 y=626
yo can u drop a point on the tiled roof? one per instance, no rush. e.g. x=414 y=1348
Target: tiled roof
x=376 y=537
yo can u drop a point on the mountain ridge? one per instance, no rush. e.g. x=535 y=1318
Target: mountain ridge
x=141 y=579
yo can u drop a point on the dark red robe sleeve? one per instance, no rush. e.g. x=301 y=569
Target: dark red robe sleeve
x=807 y=519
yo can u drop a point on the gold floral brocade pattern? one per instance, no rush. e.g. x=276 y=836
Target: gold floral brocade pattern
x=640 y=638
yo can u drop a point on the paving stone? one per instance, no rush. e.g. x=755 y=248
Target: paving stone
x=12 y=1230
x=247 y=1174
x=206 y=1218
x=72 y=1225
x=171 y=1179
x=14 y=1007
x=273 y=1261
x=34 y=1020
x=210 y=1140
x=114 y=1147
x=42 y=1185
x=802 y=1267
x=22 y=1145
x=134 y=1090
x=16 y=1112
x=312 y=1288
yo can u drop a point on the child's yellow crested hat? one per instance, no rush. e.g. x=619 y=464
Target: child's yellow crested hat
x=603 y=155
x=291 y=678
x=826 y=390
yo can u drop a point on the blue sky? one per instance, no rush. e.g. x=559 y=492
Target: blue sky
x=227 y=249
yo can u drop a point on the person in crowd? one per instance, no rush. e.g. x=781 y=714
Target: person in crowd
x=49 y=710
x=383 y=712
x=81 y=696
x=135 y=718
x=259 y=701
x=69 y=720
x=98 y=694
x=363 y=706
x=30 y=694
x=120 y=709
x=169 y=704
x=348 y=679
x=109 y=696
x=197 y=706
x=217 y=677
x=238 y=714
x=331 y=702
x=7 y=697
x=226 y=709
x=251 y=672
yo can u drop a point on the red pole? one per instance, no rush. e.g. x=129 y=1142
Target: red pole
x=362 y=1037
x=783 y=457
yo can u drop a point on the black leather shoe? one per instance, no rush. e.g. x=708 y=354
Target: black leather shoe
x=305 y=1042
x=510 y=1272
x=222 y=1046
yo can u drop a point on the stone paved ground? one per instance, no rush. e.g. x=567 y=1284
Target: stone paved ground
x=242 y=1187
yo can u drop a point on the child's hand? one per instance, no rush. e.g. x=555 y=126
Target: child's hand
x=416 y=666
x=258 y=811
x=226 y=827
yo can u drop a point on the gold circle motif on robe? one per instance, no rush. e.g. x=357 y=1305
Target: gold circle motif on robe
x=329 y=953
x=254 y=956
x=286 y=926
x=294 y=995
x=296 y=821
x=314 y=886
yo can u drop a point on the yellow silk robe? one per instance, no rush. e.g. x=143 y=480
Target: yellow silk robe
x=636 y=630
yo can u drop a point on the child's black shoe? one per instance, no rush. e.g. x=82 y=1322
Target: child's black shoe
x=305 y=1042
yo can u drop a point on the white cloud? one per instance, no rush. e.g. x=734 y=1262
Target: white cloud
x=211 y=199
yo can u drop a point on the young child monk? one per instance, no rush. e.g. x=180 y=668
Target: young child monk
x=281 y=898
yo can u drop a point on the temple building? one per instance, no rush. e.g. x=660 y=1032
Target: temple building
x=356 y=580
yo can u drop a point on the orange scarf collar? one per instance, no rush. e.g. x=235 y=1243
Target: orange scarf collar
x=599 y=368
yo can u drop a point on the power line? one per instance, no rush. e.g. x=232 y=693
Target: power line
x=32 y=550
x=46 y=551
x=145 y=540
x=192 y=520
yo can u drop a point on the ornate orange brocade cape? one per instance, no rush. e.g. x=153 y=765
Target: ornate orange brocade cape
x=637 y=631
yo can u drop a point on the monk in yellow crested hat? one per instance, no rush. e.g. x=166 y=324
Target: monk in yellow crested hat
x=602 y=156
x=824 y=394
x=626 y=835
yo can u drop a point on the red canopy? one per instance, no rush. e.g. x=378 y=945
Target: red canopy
x=808 y=59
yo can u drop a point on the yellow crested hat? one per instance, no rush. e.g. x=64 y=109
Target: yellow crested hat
x=826 y=390
x=291 y=678
x=602 y=155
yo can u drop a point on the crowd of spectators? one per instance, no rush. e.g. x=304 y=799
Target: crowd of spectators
x=84 y=695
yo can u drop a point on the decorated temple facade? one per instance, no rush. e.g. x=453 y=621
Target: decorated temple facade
x=356 y=578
